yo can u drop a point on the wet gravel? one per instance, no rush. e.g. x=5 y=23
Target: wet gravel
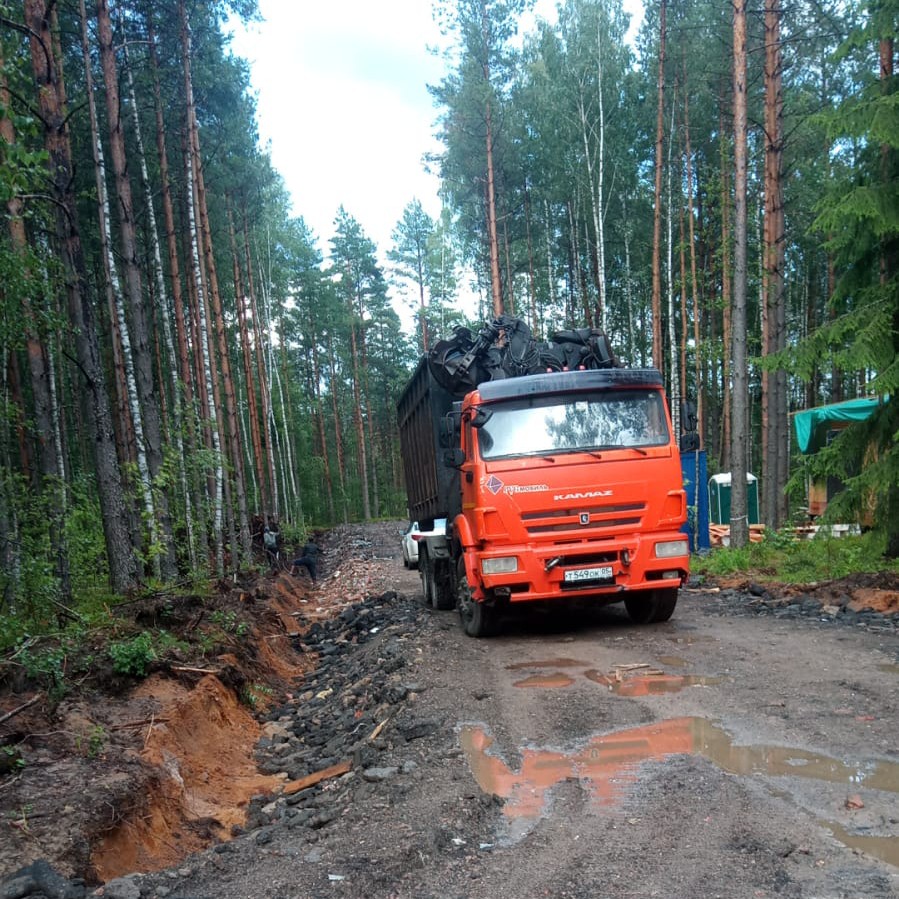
x=760 y=600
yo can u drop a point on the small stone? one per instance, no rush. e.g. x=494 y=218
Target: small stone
x=377 y=775
x=122 y=888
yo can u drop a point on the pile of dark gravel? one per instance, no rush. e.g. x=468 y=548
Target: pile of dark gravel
x=759 y=600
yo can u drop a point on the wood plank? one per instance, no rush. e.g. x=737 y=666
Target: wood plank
x=310 y=780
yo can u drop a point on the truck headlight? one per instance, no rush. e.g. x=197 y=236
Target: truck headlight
x=671 y=548
x=501 y=565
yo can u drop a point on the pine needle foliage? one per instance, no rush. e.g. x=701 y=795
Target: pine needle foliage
x=861 y=218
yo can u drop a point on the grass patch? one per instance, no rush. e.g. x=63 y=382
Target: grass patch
x=781 y=558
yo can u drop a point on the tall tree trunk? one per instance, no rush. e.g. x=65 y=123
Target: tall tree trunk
x=726 y=299
x=739 y=522
x=338 y=430
x=163 y=301
x=204 y=340
x=777 y=437
x=698 y=366
x=532 y=278
x=247 y=356
x=362 y=450
x=492 y=238
x=51 y=97
x=270 y=498
x=140 y=344
x=213 y=296
x=657 y=360
x=185 y=395
x=131 y=422
x=52 y=475
x=674 y=386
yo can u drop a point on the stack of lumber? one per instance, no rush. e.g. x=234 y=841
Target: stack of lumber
x=719 y=534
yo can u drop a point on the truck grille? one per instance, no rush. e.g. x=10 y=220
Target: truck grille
x=600 y=517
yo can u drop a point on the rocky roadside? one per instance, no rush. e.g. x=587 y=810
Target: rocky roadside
x=869 y=601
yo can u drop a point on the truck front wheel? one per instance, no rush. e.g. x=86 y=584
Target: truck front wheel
x=478 y=618
x=652 y=607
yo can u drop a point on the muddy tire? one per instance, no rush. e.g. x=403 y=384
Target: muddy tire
x=442 y=595
x=652 y=607
x=478 y=618
x=426 y=574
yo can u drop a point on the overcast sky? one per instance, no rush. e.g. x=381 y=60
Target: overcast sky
x=343 y=103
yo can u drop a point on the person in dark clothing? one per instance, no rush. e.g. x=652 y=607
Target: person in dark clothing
x=308 y=560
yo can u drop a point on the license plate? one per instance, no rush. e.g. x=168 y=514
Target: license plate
x=577 y=575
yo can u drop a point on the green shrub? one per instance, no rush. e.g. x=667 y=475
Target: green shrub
x=133 y=656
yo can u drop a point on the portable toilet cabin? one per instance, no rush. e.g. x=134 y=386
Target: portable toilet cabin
x=719 y=498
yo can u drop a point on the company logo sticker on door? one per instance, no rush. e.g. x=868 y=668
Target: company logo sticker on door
x=494 y=485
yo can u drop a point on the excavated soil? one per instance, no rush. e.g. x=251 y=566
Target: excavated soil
x=124 y=775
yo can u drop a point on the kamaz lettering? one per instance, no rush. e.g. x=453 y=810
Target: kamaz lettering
x=559 y=497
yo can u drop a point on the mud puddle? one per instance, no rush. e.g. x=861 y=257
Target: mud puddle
x=607 y=766
x=632 y=680
x=651 y=684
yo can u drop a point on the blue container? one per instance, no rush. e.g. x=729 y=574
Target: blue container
x=695 y=473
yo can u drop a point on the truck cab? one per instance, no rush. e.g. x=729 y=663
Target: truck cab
x=570 y=488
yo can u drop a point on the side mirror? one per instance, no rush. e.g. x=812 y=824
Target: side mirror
x=454 y=458
x=450 y=428
x=688 y=416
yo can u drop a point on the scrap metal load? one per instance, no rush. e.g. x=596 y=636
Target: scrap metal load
x=506 y=348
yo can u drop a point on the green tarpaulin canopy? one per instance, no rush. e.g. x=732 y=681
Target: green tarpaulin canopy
x=812 y=425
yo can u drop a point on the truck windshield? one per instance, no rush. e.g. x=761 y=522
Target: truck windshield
x=610 y=419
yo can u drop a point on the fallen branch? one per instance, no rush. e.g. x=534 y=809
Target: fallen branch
x=127 y=724
x=310 y=780
x=188 y=670
x=21 y=708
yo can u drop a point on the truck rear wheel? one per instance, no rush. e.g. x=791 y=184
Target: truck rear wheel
x=478 y=618
x=651 y=607
x=442 y=596
x=426 y=574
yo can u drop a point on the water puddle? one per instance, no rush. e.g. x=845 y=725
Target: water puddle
x=884 y=848
x=673 y=661
x=889 y=668
x=608 y=765
x=547 y=681
x=632 y=680
x=651 y=684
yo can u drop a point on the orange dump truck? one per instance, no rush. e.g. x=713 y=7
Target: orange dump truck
x=559 y=485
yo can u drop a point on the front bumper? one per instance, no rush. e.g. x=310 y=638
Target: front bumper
x=540 y=572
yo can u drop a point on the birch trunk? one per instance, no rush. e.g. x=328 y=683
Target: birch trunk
x=194 y=239
x=269 y=491
x=163 y=298
x=247 y=357
x=140 y=342
x=231 y=432
x=698 y=366
x=131 y=417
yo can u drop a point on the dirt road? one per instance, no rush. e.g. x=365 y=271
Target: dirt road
x=722 y=754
